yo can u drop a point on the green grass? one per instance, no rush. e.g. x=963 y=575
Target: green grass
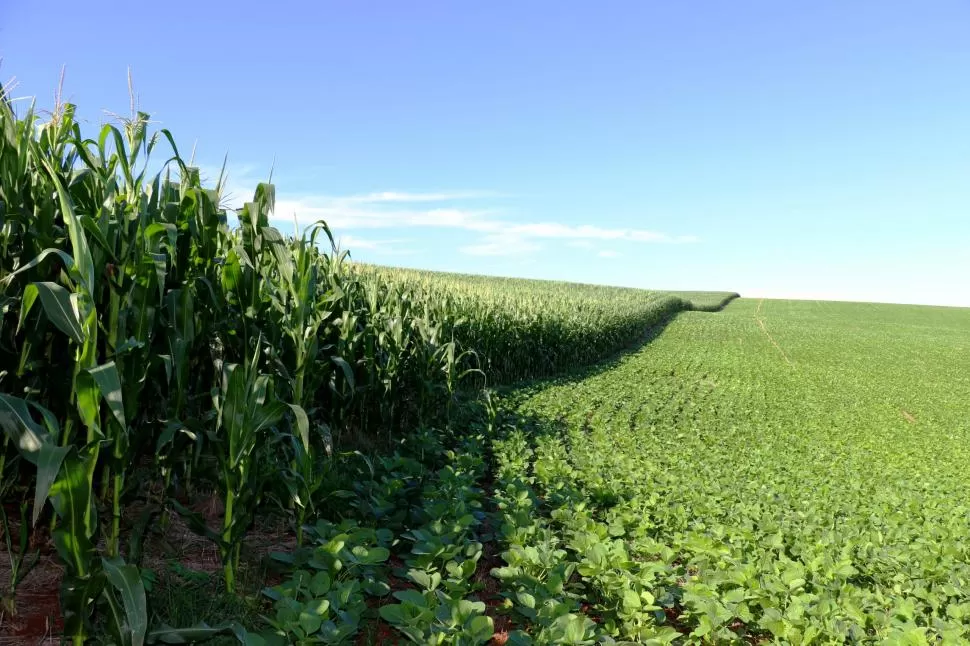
x=782 y=469
x=182 y=598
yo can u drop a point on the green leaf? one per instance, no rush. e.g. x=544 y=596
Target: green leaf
x=519 y=638
x=92 y=228
x=201 y=633
x=49 y=460
x=346 y=369
x=267 y=415
x=71 y=497
x=17 y=423
x=27 y=300
x=374 y=555
x=393 y=614
x=572 y=628
x=427 y=580
x=59 y=306
x=109 y=383
x=412 y=597
x=310 y=621
x=60 y=253
x=88 y=396
x=480 y=629
x=302 y=425
x=126 y=579
x=80 y=251
x=631 y=600
x=376 y=588
x=525 y=599
x=320 y=584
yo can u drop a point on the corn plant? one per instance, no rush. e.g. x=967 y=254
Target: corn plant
x=21 y=563
x=247 y=408
x=522 y=329
x=298 y=298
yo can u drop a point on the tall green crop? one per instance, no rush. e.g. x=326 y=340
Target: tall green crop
x=139 y=330
x=69 y=302
x=523 y=329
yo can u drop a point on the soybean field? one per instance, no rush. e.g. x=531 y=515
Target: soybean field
x=782 y=471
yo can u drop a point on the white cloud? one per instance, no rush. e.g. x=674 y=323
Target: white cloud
x=354 y=243
x=609 y=253
x=590 y=232
x=346 y=213
x=519 y=237
x=501 y=244
x=401 y=197
x=441 y=209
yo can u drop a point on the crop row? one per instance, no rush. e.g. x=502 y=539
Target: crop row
x=773 y=472
x=570 y=576
x=406 y=552
x=523 y=329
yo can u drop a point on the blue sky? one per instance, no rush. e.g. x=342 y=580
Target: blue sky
x=810 y=150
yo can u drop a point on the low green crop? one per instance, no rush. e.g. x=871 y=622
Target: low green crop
x=778 y=471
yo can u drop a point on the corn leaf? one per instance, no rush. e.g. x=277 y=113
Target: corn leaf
x=109 y=383
x=59 y=307
x=49 y=460
x=126 y=579
x=17 y=423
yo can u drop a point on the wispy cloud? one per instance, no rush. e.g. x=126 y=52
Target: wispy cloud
x=465 y=210
x=501 y=244
x=385 y=197
x=504 y=238
x=590 y=232
x=340 y=215
x=350 y=213
x=388 y=247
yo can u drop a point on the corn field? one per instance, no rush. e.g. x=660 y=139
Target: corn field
x=137 y=325
x=524 y=329
x=141 y=334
